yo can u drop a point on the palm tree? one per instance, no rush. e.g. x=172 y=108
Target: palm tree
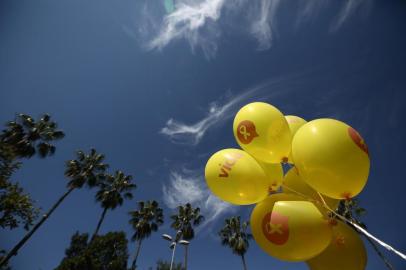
x=113 y=189
x=25 y=137
x=184 y=221
x=5 y=267
x=87 y=169
x=235 y=235
x=144 y=221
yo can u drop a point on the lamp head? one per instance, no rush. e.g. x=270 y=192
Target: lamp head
x=167 y=237
x=184 y=242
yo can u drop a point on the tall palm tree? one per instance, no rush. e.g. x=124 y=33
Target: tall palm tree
x=144 y=221
x=234 y=235
x=22 y=138
x=87 y=169
x=113 y=189
x=184 y=221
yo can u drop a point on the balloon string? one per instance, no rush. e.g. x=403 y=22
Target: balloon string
x=359 y=228
x=365 y=232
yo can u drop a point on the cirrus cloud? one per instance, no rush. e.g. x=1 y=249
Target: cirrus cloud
x=187 y=186
x=198 y=21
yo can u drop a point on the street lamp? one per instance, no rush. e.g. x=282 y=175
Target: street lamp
x=174 y=243
x=184 y=242
x=171 y=246
x=167 y=237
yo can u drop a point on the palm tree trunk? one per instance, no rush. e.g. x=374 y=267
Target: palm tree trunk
x=99 y=224
x=243 y=262
x=17 y=247
x=186 y=254
x=134 y=263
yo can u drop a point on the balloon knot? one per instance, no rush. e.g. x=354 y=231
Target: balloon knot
x=332 y=221
x=346 y=195
x=271 y=190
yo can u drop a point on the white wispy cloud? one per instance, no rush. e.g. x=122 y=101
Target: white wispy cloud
x=197 y=21
x=264 y=29
x=188 y=186
x=309 y=10
x=218 y=112
x=182 y=133
x=183 y=189
x=217 y=208
x=187 y=21
x=347 y=10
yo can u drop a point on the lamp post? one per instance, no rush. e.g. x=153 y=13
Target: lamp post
x=174 y=243
x=185 y=243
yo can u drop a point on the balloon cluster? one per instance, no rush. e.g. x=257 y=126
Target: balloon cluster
x=329 y=161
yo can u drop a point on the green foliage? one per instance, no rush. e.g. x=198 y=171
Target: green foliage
x=164 y=265
x=146 y=219
x=22 y=138
x=26 y=137
x=113 y=189
x=87 y=169
x=184 y=221
x=105 y=252
x=16 y=207
x=351 y=210
x=8 y=162
x=234 y=235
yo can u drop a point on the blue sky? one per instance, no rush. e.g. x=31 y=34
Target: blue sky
x=157 y=93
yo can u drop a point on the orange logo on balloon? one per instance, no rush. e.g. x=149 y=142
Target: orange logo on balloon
x=275 y=228
x=358 y=140
x=340 y=240
x=246 y=132
x=292 y=120
x=228 y=164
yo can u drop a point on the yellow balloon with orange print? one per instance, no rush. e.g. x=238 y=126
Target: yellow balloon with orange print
x=262 y=130
x=294 y=184
x=331 y=157
x=289 y=228
x=236 y=177
x=294 y=122
x=274 y=174
x=346 y=251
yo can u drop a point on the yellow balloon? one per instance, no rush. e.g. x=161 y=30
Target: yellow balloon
x=236 y=177
x=331 y=157
x=346 y=251
x=262 y=130
x=288 y=228
x=294 y=122
x=293 y=183
x=274 y=174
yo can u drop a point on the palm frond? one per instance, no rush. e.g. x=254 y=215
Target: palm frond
x=146 y=219
x=234 y=235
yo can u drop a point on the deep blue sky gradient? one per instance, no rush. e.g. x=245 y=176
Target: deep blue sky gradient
x=73 y=60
